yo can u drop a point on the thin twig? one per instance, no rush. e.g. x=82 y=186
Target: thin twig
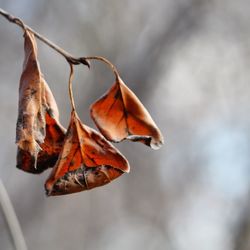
x=65 y=54
x=70 y=87
x=11 y=218
x=100 y=58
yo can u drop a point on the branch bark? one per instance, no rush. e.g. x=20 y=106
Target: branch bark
x=71 y=59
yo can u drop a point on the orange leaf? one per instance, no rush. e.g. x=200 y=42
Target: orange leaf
x=55 y=133
x=86 y=161
x=39 y=135
x=120 y=115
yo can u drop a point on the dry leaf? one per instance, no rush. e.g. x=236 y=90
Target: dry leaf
x=87 y=161
x=55 y=133
x=39 y=135
x=120 y=115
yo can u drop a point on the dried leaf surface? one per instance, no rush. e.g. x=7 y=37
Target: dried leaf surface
x=39 y=135
x=120 y=115
x=87 y=161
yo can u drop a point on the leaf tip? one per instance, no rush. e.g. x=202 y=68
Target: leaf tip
x=127 y=168
x=157 y=143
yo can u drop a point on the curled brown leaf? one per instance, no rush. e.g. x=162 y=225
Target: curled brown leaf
x=87 y=160
x=120 y=115
x=39 y=135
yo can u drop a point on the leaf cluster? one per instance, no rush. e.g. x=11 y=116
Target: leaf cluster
x=80 y=157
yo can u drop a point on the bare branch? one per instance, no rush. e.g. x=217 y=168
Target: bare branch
x=71 y=59
x=11 y=218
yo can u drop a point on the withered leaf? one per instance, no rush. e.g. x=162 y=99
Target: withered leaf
x=39 y=135
x=87 y=160
x=55 y=132
x=120 y=115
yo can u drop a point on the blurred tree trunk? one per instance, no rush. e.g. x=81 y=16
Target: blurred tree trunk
x=242 y=230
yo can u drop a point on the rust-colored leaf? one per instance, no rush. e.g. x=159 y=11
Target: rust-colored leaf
x=39 y=135
x=87 y=160
x=120 y=115
x=55 y=132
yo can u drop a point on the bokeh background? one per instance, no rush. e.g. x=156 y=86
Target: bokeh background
x=189 y=63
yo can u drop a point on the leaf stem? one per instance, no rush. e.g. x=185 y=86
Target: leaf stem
x=70 y=87
x=65 y=54
x=100 y=58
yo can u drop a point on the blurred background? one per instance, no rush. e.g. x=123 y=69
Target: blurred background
x=188 y=61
